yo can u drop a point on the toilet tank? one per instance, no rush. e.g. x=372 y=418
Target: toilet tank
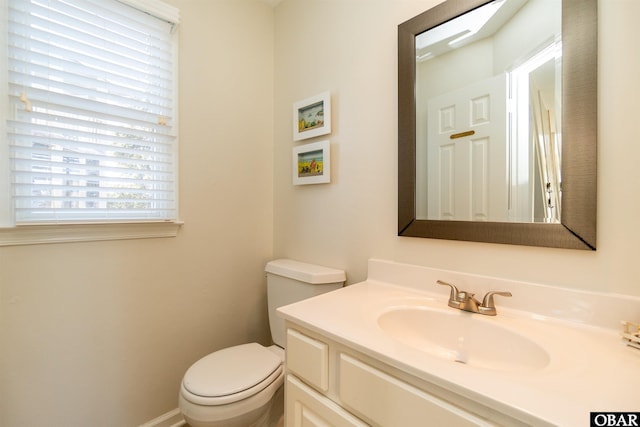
x=289 y=281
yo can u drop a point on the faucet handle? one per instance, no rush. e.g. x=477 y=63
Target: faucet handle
x=488 y=307
x=454 y=290
x=454 y=297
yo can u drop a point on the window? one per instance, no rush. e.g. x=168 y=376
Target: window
x=91 y=125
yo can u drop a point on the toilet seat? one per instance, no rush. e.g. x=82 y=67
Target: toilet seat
x=231 y=374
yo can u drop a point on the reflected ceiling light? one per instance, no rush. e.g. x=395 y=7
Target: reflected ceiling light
x=460 y=28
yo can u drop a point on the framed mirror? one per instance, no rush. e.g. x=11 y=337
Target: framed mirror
x=468 y=65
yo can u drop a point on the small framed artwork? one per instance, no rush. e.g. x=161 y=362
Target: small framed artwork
x=312 y=163
x=312 y=117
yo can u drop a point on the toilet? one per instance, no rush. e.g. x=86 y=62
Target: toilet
x=242 y=386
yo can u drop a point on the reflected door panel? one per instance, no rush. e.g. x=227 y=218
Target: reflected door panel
x=467 y=153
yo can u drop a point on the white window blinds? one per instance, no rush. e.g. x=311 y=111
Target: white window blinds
x=92 y=113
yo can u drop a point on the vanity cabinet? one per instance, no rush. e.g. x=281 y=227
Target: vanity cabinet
x=331 y=384
x=386 y=352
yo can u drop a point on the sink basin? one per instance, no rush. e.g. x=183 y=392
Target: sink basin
x=463 y=337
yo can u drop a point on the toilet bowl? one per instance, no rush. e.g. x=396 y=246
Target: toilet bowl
x=242 y=386
x=234 y=387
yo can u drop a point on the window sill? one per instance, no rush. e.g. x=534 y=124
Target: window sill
x=67 y=233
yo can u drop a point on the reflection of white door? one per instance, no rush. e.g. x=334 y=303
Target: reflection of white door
x=467 y=153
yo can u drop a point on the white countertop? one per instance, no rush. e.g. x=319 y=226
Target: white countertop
x=590 y=367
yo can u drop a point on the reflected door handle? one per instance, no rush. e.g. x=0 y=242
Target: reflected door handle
x=462 y=134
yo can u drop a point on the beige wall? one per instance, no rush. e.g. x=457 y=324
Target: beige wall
x=349 y=48
x=100 y=334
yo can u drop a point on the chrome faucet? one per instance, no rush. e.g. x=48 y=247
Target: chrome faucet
x=466 y=301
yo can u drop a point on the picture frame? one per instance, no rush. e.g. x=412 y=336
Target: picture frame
x=312 y=117
x=311 y=163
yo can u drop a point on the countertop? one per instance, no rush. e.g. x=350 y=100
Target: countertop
x=590 y=368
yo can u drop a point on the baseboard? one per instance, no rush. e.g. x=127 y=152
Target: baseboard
x=170 y=419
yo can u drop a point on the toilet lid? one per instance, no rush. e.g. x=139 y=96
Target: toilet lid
x=231 y=370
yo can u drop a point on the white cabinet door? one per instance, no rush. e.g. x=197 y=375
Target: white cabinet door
x=308 y=358
x=388 y=402
x=305 y=407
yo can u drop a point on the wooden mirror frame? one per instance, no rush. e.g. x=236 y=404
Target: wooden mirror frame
x=577 y=228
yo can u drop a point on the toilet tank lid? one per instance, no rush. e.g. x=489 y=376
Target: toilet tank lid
x=308 y=273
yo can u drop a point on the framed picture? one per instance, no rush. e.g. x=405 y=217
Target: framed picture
x=312 y=117
x=311 y=163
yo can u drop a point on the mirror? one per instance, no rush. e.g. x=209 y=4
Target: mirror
x=531 y=179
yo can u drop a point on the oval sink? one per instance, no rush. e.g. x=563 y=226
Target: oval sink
x=463 y=337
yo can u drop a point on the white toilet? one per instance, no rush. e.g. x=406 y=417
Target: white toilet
x=241 y=386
